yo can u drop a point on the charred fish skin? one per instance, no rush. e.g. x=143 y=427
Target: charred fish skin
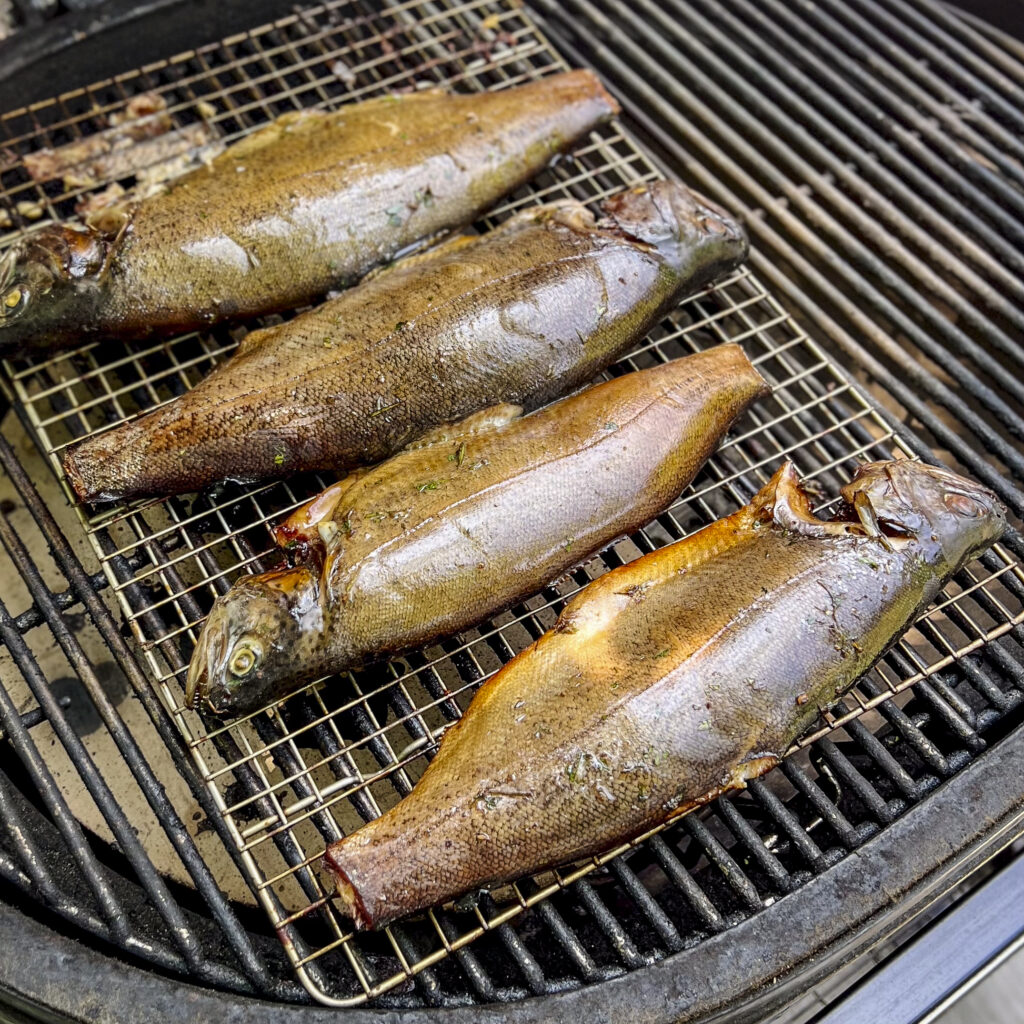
x=448 y=533
x=520 y=315
x=667 y=682
x=307 y=204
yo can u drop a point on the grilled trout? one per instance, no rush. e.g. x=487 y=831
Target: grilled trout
x=464 y=524
x=667 y=682
x=519 y=315
x=307 y=204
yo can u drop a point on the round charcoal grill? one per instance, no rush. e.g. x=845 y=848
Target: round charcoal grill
x=156 y=864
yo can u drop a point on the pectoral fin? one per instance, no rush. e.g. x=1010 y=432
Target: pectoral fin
x=784 y=501
x=305 y=527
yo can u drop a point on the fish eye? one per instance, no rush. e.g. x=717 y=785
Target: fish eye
x=961 y=505
x=245 y=658
x=13 y=301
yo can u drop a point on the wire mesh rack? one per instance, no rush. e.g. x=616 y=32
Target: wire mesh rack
x=314 y=767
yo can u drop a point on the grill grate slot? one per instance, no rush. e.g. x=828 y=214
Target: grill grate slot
x=283 y=783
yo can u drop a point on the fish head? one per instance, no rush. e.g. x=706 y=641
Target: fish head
x=686 y=229
x=261 y=636
x=947 y=517
x=49 y=285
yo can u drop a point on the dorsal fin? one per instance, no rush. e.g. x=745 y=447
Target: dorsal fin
x=422 y=255
x=782 y=502
x=290 y=123
x=482 y=422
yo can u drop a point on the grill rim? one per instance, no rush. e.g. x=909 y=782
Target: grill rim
x=902 y=433
x=55 y=973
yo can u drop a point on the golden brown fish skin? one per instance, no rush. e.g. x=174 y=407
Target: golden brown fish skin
x=530 y=310
x=666 y=682
x=308 y=204
x=448 y=533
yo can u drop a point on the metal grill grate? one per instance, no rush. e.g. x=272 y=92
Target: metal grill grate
x=314 y=767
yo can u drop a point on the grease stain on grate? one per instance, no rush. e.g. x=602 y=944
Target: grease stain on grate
x=314 y=767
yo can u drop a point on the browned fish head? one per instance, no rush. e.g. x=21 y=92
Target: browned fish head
x=677 y=222
x=948 y=516
x=252 y=634
x=49 y=281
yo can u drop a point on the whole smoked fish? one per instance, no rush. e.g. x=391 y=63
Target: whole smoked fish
x=444 y=535
x=307 y=204
x=528 y=311
x=666 y=682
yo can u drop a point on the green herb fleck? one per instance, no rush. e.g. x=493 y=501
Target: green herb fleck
x=346 y=524
x=577 y=770
x=601 y=310
x=611 y=426
x=430 y=485
x=279 y=457
x=328 y=343
x=395 y=215
x=377 y=517
x=569 y=543
x=400 y=325
x=704 y=726
x=663 y=654
x=458 y=455
x=490 y=803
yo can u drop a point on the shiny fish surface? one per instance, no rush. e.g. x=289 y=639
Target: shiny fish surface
x=307 y=204
x=519 y=315
x=666 y=682
x=464 y=524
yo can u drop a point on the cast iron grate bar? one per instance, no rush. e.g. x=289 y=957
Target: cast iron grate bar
x=83 y=588
x=284 y=782
x=698 y=133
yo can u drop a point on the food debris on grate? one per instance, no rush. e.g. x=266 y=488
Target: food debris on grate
x=314 y=767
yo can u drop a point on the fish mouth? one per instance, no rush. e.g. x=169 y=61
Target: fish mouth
x=206 y=658
x=8 y=264
x=893 y=499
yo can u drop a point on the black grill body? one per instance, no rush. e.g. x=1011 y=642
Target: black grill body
x=872 y=148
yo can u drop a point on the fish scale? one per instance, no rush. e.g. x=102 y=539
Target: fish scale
x=306 y=204
x=667 y=682
x=467 y=521
x=425 y=343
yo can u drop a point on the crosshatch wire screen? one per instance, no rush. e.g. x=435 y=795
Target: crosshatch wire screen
x=290 y=779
